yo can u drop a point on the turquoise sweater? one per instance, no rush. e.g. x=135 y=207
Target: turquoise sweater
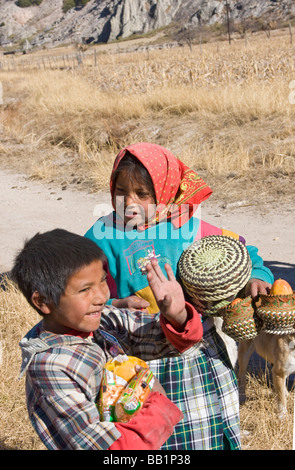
x=127 y=251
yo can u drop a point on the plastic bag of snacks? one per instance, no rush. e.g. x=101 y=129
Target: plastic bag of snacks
x=123 y=389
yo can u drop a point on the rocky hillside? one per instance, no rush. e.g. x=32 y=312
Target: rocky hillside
x=107 y=20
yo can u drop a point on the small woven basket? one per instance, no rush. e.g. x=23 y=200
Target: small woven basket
x=277 y=313
x=209 y=308
x=240 y=321
x=213 y=270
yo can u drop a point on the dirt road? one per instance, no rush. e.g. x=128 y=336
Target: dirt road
x=28 y=206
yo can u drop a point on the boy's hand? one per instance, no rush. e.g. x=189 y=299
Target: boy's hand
x=157 y=387
x=168 y=293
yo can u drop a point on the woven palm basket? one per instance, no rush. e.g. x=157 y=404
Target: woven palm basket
x=240 y=321
x=213 y=270
x=277 y=313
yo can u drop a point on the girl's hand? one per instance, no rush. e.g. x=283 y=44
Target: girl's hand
x=256 y=287
x=168 y=293
x=132 y=303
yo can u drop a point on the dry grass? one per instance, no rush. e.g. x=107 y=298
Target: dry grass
x=16 y=318
x=223 y=109
x=264 y=431
x=260 y=425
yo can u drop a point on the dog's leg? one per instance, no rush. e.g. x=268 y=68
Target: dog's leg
x=245 y=350
x=279 y=383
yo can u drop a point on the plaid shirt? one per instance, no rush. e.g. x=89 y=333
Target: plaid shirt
x=64 y=374
x=200 y=381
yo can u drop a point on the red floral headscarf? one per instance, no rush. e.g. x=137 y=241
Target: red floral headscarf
x=178 y=189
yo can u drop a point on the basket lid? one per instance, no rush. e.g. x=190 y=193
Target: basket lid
x=214 y=268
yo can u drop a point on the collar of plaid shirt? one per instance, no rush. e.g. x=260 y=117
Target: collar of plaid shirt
x=37 y=341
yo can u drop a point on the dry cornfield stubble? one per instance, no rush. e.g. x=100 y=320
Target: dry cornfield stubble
x=225 y=110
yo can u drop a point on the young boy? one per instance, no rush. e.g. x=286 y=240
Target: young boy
x=63 y=276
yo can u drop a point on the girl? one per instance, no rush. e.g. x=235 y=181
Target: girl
x=155 y=198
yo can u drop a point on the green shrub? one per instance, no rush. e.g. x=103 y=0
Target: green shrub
x=28 y=3
x=69 y=4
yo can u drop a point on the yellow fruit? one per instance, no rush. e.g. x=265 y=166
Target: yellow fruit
x=281 y=287
x=125 y=369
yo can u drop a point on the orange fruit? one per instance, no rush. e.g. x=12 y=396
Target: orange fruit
x=125 y=369
x=281 y=287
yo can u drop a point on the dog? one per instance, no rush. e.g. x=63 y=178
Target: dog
x=279 y=350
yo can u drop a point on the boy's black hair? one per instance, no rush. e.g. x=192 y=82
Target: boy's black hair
x=47 y=261
x=135 y=170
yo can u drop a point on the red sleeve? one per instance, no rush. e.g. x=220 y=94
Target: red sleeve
x=151 y=427
x=192 y=331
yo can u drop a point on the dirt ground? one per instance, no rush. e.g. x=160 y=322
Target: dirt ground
x=29 y=206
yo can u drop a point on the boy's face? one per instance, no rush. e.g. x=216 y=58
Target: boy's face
x=81 y=304
x=132 y=201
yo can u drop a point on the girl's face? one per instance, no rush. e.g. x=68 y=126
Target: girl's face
x=132 y=201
